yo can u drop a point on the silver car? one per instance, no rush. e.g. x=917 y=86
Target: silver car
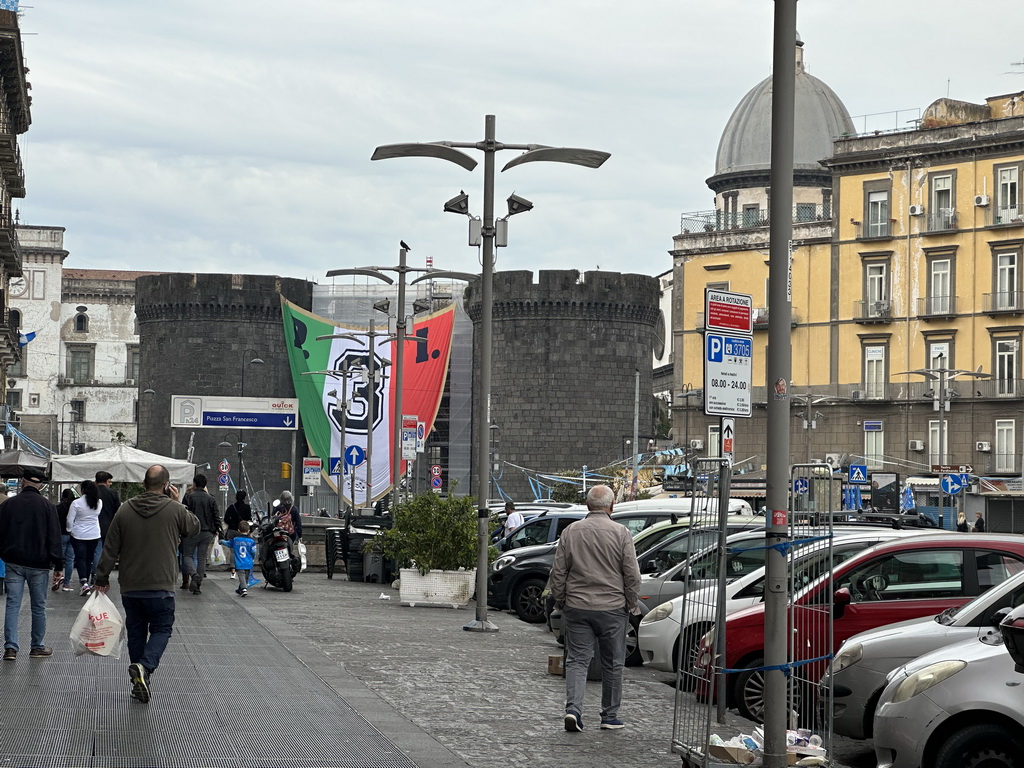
x=859 y=670
x=961 y=706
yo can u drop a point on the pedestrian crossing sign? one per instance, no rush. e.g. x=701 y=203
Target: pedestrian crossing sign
x=858 y=473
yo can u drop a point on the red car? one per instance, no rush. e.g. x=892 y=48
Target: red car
x=894 y=581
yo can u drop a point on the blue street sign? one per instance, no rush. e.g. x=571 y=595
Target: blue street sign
x=858 y=473
x=354 y=456
x=336 y=466
x=800 y=485
x=435 y=482
x=224 y=480
x=253 y=420
x=951 y=484
x=965 y=479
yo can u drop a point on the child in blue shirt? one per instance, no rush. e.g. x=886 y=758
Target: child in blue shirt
x=243 y=548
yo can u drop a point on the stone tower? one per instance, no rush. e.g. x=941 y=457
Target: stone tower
x=565 y=355
x=198 y=335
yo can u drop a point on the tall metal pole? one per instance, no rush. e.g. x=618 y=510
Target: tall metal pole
x=778 y=373
x=483 y=475
x=396 y=440
x=634 y=481
x=371 y=367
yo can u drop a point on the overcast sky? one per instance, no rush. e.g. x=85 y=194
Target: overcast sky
x=235 y=135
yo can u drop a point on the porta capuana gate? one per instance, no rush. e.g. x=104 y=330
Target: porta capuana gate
x=701 y=711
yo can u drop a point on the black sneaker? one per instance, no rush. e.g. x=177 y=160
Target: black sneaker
x=43 y=652
x=195 y=587
x=573 y=721
x=140 y=682
x=10 y=654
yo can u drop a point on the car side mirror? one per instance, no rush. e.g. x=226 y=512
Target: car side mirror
x=998 y=616
x=840 y=599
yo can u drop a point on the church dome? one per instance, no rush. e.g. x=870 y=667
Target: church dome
x=745 y=147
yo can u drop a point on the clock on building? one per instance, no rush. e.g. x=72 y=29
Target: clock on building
x=17 y=286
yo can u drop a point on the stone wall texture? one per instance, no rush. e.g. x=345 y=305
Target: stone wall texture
x=198 y=334
x=565 y=354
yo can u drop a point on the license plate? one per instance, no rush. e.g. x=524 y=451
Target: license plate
x=281 y=555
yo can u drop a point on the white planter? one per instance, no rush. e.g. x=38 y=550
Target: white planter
x=450 y=589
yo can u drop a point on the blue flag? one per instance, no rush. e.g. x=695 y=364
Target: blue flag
x=9 y=5
x=23 y=338
x=907 y=500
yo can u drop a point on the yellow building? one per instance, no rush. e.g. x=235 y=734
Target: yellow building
x=907 y=257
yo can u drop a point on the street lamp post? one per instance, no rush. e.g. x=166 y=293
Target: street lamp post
x=257 y=360
x=240 y=447
x=449 y=150
x=73 y=413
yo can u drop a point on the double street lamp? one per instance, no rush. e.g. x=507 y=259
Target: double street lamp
x=450 y=151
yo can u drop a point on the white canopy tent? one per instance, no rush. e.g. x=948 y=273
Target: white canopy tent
x=125 y=463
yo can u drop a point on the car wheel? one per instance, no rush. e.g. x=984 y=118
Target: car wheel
x=633 y=656
x=527 y=601
x=749 y=691
x=981 y=746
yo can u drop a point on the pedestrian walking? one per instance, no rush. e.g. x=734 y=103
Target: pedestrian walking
x=513 y=518
x=196 y=549
x=84 y=527
x=67 y=496
x=143 y=541
x=30 y=547
x=233 y=515
x=595 y=580
x=961 y=523
x=242 y=550
x=979 y=523
x=111 y=503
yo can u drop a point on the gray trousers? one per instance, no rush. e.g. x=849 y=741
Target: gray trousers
x=202 y=542
x=584 y=629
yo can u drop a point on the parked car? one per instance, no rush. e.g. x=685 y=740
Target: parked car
x=543 y=528
x=858 y=672
x=659 y=634
x=899 y=580
x=961 y=706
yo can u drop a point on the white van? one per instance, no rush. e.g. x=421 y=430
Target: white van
x=683 y=505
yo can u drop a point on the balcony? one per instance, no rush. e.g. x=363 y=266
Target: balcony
x=876 y=311
x=873 y=230
x=1003 y=303
x=942 y=221
x=936 y=307
x=720 y=221
x=96 y=381
x=1004 y=217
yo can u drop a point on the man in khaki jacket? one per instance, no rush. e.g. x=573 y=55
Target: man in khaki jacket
x=595 y=580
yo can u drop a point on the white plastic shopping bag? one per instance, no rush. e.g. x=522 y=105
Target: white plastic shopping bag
x=302 y=556
x=217 y=556
x=99 y=628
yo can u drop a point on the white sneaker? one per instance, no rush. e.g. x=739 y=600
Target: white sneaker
x=234 y=575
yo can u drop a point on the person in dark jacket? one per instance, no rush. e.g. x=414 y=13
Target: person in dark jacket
x=111 y=503
x=201 y=504
x=30 y=546
x=233 y=515
x=287 y=515
x=979 y=523
x=143 y=541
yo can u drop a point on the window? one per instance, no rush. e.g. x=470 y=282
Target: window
x=909 y=575
x=1005 y=367
x=942 y=213
x=874 y=371
x=133 y=364
x=876 y=288
x=939 y=356
x=874 y=446
x=19 y=367
x=940 y=285
x=14 y=320
x=1006 y=280
x=995 y=568
x=1004 y=448
x=81 y=323
x=1008 y=207
x=937 y=454
x=80 y=364
x=714 y=447
x=806 y=212
x=77 y=410
x=14 y=399
x=751 y=215
x=876 y=208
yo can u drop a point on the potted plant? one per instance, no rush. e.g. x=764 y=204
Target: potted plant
x=433 y=541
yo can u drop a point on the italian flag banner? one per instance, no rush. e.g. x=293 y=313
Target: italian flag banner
x=351 y=414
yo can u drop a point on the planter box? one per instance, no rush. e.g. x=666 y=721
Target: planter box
x=449 y=589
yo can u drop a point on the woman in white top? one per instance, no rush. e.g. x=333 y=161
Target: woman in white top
x=84 y=527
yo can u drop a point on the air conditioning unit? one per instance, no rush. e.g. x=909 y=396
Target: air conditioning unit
x=915 y=445
x=917 y=210
x=129 y=382
x=983 y=446
x=697 y=444
x=857 y=394
x=981 y=200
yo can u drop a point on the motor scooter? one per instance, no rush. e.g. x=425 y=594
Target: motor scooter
x=278 y=558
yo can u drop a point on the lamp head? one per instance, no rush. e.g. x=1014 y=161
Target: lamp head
x=421 y=305
x=382 y=306
x=517 y=204
x=458 y=204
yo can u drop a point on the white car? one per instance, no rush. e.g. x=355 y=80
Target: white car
x=688 y=617
x=859 y=670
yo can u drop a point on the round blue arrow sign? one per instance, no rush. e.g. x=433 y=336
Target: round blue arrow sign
x=951 y=484
x=354 y=456
x=800 y=485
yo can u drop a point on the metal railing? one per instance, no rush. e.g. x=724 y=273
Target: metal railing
x=936 y=306
x=1005 y=217
x=1003 y=301
x=943 y=221
x=879 y=310
x=720 y=221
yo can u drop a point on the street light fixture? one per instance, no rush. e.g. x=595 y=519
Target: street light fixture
x=73 y=413
x=450 y=151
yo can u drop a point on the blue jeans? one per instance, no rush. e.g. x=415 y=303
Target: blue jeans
x=85 y=553
x=584 y=630
x=148 y=622
x=99 y=553
x=69 y=556
x=38 y=584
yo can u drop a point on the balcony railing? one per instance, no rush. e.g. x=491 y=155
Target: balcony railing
x=936 y=306
x=877 y=311
x=96 y=381
x=873 y=229
x=1011 y=302
x=943 y=221
x=720 y=221
x=1005 y=217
